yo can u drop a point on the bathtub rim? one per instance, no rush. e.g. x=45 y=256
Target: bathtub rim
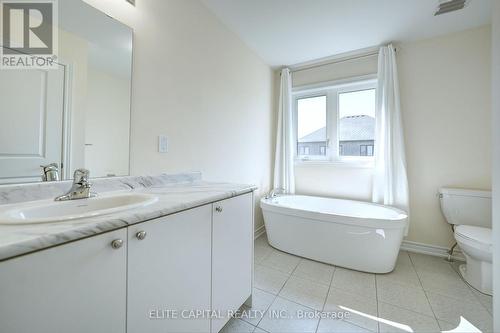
x=373 y=223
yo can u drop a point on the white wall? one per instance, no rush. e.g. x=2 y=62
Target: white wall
x=197 y=83
x=446 y=102
x=445 y=95
x=496 y=163
x=107 y=123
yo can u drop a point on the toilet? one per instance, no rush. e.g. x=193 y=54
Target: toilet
x=469 y=211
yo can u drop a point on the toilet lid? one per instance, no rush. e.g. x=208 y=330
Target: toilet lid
x=478 y=234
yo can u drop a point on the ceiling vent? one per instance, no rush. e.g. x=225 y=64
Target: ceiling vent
x=447 y=6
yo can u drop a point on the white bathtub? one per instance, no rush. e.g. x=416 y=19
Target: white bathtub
x=352 y=234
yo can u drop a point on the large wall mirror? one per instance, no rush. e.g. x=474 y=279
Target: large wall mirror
x=76 y=115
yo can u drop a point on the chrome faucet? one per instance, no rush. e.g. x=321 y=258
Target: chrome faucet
x=274 y=193
x=80 y=188
x=50 y=172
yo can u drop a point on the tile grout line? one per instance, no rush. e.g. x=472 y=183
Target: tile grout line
x=407 y=287
x=289 y=276
x=442 y=294
x=425 y=292
x=326 y=298
x=275 y=296
x=279 y=291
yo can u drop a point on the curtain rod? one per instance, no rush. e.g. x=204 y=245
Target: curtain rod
x=371 y=54
x=335 y=61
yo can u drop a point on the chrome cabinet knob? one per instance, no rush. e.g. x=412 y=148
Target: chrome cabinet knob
x=140 y=235
x=218 y=209
x=116 y=244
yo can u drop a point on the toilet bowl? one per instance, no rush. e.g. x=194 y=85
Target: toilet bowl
x=476 y=244
x=469 y=211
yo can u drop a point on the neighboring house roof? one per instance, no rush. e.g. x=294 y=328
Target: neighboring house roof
x=352 y=128
x=316 y=136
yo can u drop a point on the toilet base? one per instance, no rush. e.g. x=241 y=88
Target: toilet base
x=478 y=274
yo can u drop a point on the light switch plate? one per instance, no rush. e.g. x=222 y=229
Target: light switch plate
x=162 y=144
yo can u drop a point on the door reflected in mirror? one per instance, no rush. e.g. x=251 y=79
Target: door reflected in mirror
x=76 y=115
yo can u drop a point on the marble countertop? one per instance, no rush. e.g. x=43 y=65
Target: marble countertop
x=175 y=193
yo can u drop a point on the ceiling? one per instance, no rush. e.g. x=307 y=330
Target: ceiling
x=287 y=32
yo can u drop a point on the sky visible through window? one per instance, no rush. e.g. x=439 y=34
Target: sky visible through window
x=311 y=114
x=357 y=103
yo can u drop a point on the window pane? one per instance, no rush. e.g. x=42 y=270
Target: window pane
x=357 y=123
x=311 y=126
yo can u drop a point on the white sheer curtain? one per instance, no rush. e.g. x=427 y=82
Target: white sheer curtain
x=390 y=183
x=284 y=177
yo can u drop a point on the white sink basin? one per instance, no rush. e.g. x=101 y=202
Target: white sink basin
x=48 y=211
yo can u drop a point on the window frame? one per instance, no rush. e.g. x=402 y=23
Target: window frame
x=297 y=156
x=331 y=90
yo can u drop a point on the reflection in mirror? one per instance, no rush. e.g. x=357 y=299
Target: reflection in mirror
x=76 y=115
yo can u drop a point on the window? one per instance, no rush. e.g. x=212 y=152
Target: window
x=311 y=126
x=337 y=122
x=369 y=150
x=356 y=122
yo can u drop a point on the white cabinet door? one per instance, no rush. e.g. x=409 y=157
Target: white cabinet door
x=78 y=287
x=169 y=273
x=232 y=255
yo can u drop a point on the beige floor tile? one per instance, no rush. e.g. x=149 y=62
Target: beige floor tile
x=262 y=241
x=448 y=285
x=424 y=263
x=463 y=327
x=403 y=258
x=261 y=301
x=419 y=287
x=354 y=282
x=284 y=316
x=395 y=319
x=451 y=310
x=315 y=271
x=261 y=252
x=305 y=292
x=237 y=326
x=409 y=298
x=281 y=261
x=340 y=326
x=259 y=330
x=485 y=300
x=402 y=274
x=362 y=310
x=269 y=279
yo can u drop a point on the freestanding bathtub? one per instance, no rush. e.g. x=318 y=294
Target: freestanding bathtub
x=352 y=234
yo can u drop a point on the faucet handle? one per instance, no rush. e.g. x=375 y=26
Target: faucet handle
x=81 y=176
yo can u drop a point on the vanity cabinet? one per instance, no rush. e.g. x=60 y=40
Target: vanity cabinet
x=196 y=260
x=78 y=287
x=232 y=255
x=169 y=272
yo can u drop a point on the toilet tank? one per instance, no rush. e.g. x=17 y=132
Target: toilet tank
x=466 y=207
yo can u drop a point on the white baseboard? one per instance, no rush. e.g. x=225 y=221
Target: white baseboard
x=259 y=231
x=432 y=250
